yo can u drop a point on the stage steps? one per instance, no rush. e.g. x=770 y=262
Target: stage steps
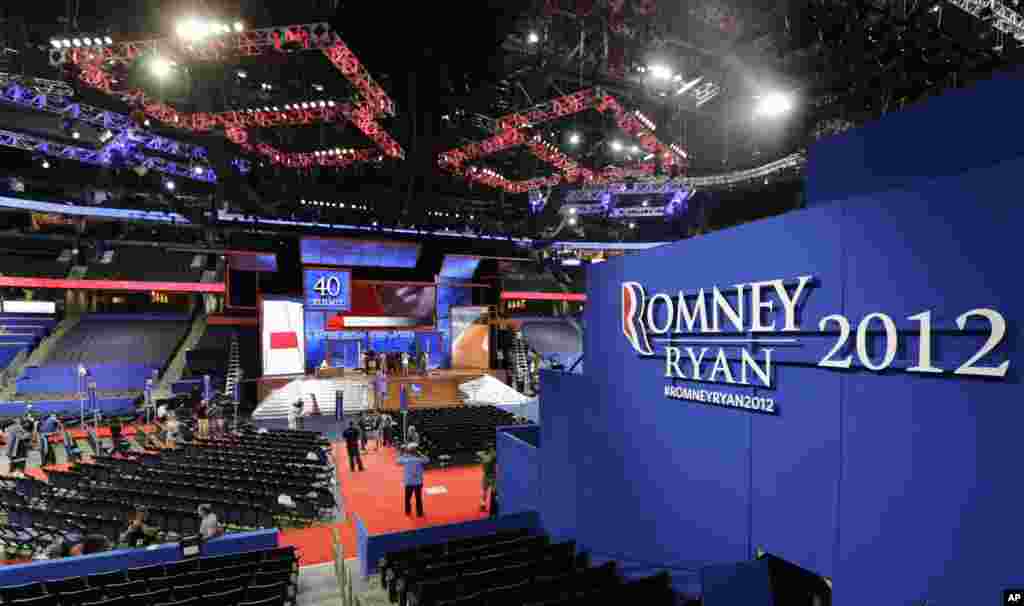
x=277 y=404
x=162 y=390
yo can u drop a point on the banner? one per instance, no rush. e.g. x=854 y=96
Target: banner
x=283 y=349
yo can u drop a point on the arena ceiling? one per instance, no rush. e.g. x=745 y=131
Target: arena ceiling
x=451 y=69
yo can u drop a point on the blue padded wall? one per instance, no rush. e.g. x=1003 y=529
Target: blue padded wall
x=890 y=481
x=518 y=474
x=899 y=486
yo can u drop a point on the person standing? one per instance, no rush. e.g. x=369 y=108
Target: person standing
x=203 y=417
x=209 y=525
x=351 y=436
x=413 y=463
x=405 y=363
x=49 y=426
x=365 y=427
x=297 y=408
x=382 y=389
x=412 y=436
x=115 y=433
x=490 y=465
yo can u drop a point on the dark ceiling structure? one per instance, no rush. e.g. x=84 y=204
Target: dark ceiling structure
x=697 y=71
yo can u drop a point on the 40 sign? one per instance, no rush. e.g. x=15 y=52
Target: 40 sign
x=695 y=332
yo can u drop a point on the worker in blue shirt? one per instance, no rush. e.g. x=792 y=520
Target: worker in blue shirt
x=413 y=463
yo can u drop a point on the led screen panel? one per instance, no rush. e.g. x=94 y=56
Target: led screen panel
x=387 y=305
x=327 y=289
x=351 y=252
x=459 y=267
x=283 y=337
x=471 y=337
x=253 y=261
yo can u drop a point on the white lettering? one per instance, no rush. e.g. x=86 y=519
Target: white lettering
x=722 y=305
x=690 y=316
x=667 y=302
x=757 y=305
x=789 y=303
x=695 y=361
x=721 y=365
x=764 y=373
x=672 y=355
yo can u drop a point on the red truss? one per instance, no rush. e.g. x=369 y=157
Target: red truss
x=511 y=131
x=374 y=104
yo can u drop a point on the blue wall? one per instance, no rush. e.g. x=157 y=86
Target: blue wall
x=518 y=474
x=894 y=484
x=128 y=558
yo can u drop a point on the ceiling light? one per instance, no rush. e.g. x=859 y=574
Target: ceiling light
x=572 y=221
x=572 y=210
x=55 y=43
x=160 y=67
x=616 y=146
x=108 y=40
x=66 y=43
x=198 y=170
x=773 y=104
x=76 y=42
x=660 y=72
x=532 y=38
x=634 y=149
x=46 y=164
x=239 y=26
x=632 y=225
x=330 y=103
x=574 y=138
x=146 y=122
x=318 y=88
x=242 y=74
x=76 y=135
x=169 y=185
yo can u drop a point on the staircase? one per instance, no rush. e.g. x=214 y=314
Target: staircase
x=162 y=390
x=39 y=355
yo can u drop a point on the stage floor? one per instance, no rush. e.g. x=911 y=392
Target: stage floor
x=450 y=495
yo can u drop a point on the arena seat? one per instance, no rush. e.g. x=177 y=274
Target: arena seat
x=146 y=263
x=458 y=432
x=511 y=569
x=22 y=332
x=120 y=352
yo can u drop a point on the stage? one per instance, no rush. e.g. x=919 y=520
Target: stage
x=438 y=388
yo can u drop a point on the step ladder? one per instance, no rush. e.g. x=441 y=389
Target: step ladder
x=234 y=374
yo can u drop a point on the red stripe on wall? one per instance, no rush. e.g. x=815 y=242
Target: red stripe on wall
x=130 y=285
x=545 y=296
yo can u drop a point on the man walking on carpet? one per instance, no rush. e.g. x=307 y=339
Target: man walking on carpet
x=413 y=463
x=351 y=436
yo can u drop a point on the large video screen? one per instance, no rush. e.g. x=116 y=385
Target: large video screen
x=327 y=289
x=283 y=337
x=352 y=252
x=387 y=305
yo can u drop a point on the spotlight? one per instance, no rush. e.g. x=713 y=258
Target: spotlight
x=660 y=72
x=160 y=67
x=532 y=38
x=66 y=43
x=169 y=185
x=76 y=135
x=634 y=149
x=574 y=138
x=55 y=43
x=108 y=40
x=87 y=41
x=242 y=74
x=318 y=88
x=147 y=122
x=198 y=170
x=616 y=146
x=239 y=26
x=572 y=210
x=632 y=225
x=572 y=220
x=773 y=104
x=76 y=42
x=46 y=164
x=105 y=136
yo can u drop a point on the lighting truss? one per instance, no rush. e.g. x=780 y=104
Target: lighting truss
x=99 y=157
x=513 y=130
x=374 y=101
x=1004 y=18
x=42 y=85
x=42 y=96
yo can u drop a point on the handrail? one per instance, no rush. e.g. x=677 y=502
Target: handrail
x=348 y=597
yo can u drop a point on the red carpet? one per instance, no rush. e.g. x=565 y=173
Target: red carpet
x=377 y=494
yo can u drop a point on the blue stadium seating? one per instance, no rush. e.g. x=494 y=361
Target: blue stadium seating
x=119 y=351
x=20 y=332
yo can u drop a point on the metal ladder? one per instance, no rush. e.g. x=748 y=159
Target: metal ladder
x=520 y=362
x=234 y=375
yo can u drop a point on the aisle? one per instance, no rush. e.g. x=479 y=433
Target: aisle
x=450 y=495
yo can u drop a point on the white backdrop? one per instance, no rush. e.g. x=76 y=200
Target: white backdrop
x=282 y=354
